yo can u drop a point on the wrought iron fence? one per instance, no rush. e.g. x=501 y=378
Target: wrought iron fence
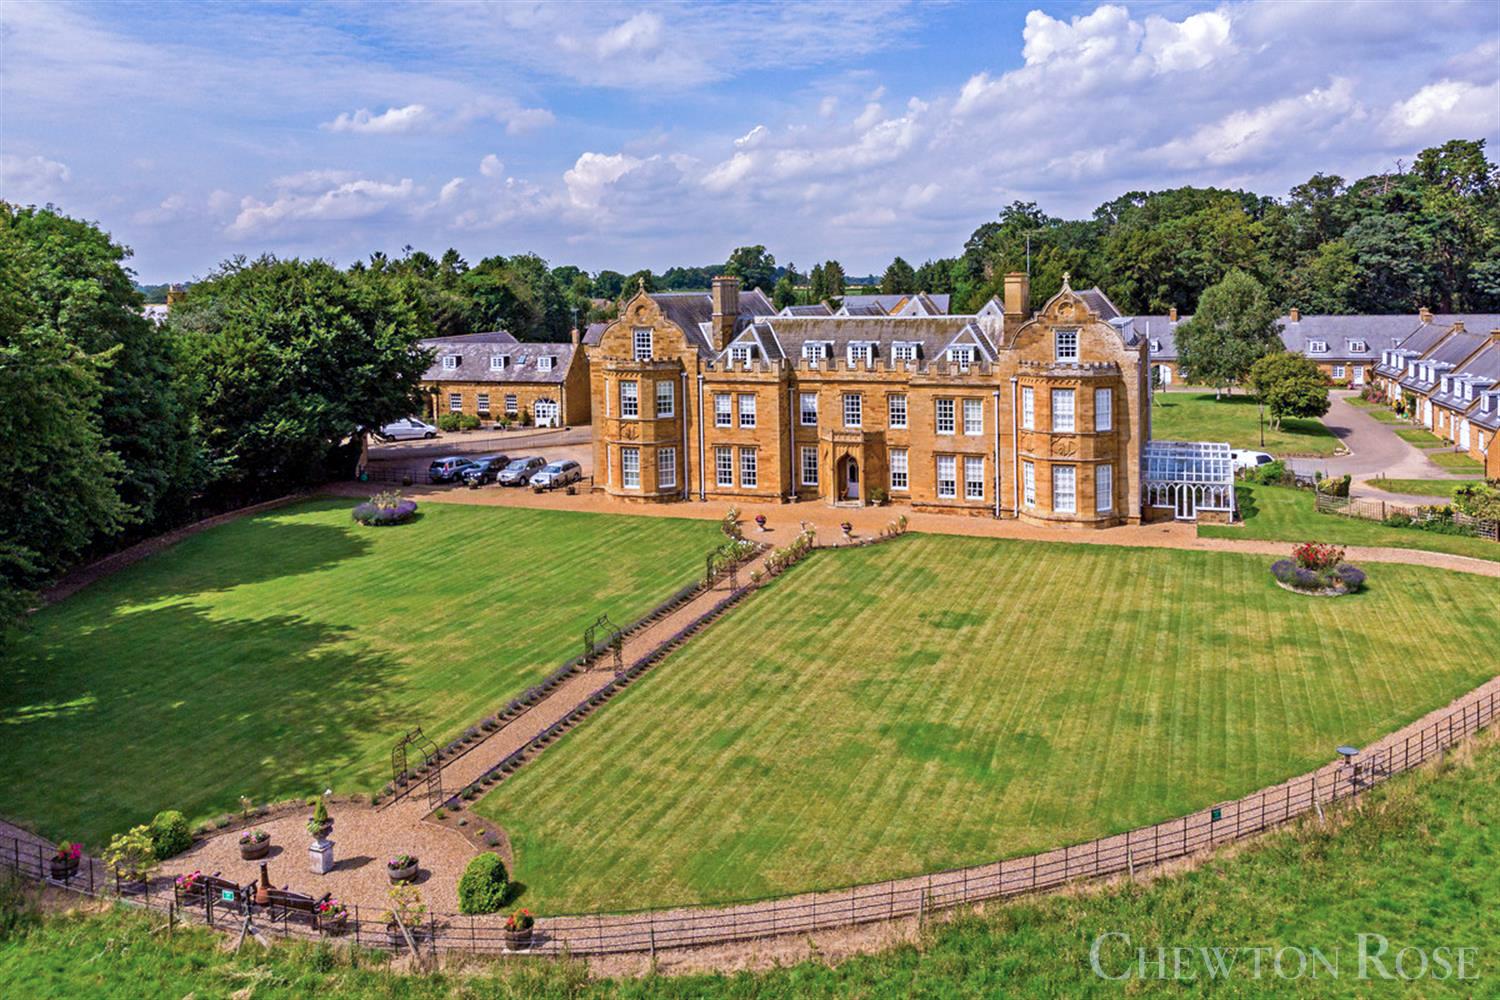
x=601 y=933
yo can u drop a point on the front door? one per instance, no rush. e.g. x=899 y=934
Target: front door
x=1359 y=375
x=546 y=412
x=1187 y=504
x=851 y=479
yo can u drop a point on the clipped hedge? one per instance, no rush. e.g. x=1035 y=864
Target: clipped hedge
x=483 y=886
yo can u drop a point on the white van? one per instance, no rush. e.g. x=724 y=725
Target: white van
x=410 y=429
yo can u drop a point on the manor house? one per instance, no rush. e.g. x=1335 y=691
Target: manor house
x=714 y=396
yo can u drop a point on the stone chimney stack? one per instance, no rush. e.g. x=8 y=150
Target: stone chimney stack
x=1295 y=315
x=1424 y=314
x=573 y=334
x=1458 y=327
x=1172 y=315
x=726 y=303
x=1017 y=297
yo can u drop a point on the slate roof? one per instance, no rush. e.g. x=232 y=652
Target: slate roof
x=1160 y=332
x=474 y=352
x=1452 y=352
x=1341 y=334
x=783 y=336
x=1483 y=367
x=1096 y=300
x=889 y=304
x=817 y=309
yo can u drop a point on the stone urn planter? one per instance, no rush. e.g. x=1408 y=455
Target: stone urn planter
x=254 y=845
x=402 y=868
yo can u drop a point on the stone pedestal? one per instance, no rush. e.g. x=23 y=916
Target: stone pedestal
x=320 y=854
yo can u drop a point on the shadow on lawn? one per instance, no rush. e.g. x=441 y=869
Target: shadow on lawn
x=102 y=725
x=253 y=550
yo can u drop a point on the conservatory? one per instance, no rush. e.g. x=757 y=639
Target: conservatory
x=1190 y=478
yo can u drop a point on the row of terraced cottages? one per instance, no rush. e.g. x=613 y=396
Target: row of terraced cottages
x=1446 y=374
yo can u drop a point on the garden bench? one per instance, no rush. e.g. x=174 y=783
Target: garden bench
x=283 y=903
x=210 y=889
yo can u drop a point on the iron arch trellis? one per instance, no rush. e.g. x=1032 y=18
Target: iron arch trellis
x=601 y=636
x=432 y=773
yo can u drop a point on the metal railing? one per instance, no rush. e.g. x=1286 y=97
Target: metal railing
x=601 y=933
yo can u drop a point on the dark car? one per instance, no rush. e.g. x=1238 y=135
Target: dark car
x=485 y=469
x=519 y=471
x=447 y=470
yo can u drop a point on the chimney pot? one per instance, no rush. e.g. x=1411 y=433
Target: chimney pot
x=1424 y=314
x=1172 y=315
x=1296 y=315
x=1458 y=327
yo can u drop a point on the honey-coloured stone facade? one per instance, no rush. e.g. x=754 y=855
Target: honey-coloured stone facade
x=1039 y=417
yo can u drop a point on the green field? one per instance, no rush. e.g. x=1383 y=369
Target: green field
x=1186 y=416
x=284 y=653
x=1279 y=513
x=938 y=701
x=1420 y=437
x=1420 y=487
x=1455 y=461
x=1413 y=863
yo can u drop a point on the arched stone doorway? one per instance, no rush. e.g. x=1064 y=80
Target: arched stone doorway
x=847 y=478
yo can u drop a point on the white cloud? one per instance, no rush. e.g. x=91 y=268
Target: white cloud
x=388 y=122
x=1189 y=44
x=828 y=106
x=26 y=179
x=1244 y=135
x=345 y=201
x=592 y=175
x=491 y=166
x=451 y=190
x=752 y=137
x=636 y=36
x=729 y=173
x=1456 y=107
x=171 y=208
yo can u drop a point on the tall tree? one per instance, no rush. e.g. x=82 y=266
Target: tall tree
x=294 y=358
x=1234 y=325
x=785 y=293
x=754 y=267
x=900 y=278
x=1289 y=385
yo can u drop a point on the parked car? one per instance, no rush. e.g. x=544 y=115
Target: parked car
x=410 y=429
x=485 y=469
x=1241 y=460
x=520 y=471
x=447 y=470
x=557 y=474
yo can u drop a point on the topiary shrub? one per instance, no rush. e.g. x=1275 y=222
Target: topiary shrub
x=170 y=834
x=484 y=885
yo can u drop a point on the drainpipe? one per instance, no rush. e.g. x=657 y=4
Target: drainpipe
x=1015 y=448
x=702 y=491
x=997 y=452
x=687 y=491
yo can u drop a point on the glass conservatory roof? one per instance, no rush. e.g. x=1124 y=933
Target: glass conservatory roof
x=1189 y=462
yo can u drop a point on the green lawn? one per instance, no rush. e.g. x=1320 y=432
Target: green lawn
x=1280 y=513
x=1421 y=487
x=1185 y=416
x=1455 y=461
x=1413 y=863
x=938 y=701
x=1420 y=437
x=284 y=653
x=1378 y=411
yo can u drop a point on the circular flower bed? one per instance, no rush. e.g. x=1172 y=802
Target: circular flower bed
x=1318 y=570
x=384 y=509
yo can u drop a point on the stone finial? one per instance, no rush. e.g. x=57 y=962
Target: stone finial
x=640 y=283
x=1067 y=282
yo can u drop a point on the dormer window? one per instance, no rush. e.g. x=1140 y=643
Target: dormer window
x=499 y=362
x=1358 y=347
x=545 y=363
x=815 y=350
x=902 y=351
x=859 y=352
x=1317 y=347
x=740 y=354
x=1066 y=342
x=450 y=362
x=1155 y=347
x=963 y=357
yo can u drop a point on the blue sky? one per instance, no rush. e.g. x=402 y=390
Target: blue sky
x=631 y=135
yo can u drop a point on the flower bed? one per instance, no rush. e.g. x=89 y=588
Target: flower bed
x=1318 y=570
x=385 y=509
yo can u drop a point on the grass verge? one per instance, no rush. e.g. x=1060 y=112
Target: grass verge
x=1186 y=416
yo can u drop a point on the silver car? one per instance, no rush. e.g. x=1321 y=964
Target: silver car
x=558 y=474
